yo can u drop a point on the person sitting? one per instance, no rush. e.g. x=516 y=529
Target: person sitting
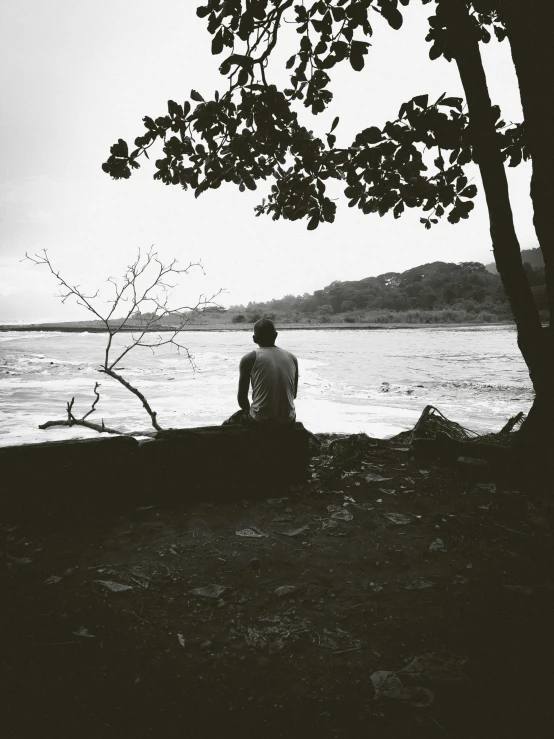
x=273 y=374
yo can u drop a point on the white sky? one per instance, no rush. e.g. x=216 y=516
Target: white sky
x=75 y=76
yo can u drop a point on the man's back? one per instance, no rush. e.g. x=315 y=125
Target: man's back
x=273 y=377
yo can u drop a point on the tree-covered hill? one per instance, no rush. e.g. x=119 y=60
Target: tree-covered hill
x=468 y=287
x=533 y=263
x=533 y=257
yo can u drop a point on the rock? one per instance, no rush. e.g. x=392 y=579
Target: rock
x=251 y=533
x=52 y=580
x=398 y=519
x=437 y=546
x=284 y=590
x=342 y=515
x=18 y=560
x=255 y=639
x=116 y=587
x=295 y=532
x=386 y=684
x=490 y=487
x=376 y=478
x=84 y=632
x=210 y=591
x=420 y=585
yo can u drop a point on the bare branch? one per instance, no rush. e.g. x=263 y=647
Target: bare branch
x=139 y=395
x=93 y=408
x=70 y=416
x=146 y=283
x=101 y=428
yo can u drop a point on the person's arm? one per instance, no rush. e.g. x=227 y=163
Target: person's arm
x=245 y=368
x=296 y=375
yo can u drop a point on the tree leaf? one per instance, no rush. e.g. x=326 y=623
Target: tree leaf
x=249 y=181
x=469 y=192
x=217 y=43
x=421 y=101
x=196 y=96
x=356 y=62
x=335 y=124
x=465 y=156
x=394 y=17
x=434 y=52
x=313 y=222
x=452 y=102
x=398 y=209
x=353 y=191
x=371 y=135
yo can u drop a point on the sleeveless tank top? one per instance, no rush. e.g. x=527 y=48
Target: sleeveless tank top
x=272 y=379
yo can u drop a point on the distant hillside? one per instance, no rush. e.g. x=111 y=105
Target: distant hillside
x=439 y=286
x=531 y=256
x=534 y=267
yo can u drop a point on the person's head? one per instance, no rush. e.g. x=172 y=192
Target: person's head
x=264 y=332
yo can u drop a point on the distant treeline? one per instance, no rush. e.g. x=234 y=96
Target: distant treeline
x=433 y=292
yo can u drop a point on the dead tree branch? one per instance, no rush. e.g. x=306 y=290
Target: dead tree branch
x=93 y=408
x=146 y=284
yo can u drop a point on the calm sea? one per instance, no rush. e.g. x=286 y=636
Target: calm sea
x=376 y=382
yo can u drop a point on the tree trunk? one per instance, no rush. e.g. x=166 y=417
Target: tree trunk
x=529 y=25
x=464 y=46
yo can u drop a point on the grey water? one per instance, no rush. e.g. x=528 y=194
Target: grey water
x=374 y=381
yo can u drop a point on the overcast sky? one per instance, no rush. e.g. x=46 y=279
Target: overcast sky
x=76 y=76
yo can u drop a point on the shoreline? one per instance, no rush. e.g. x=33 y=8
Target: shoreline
x=83 y=328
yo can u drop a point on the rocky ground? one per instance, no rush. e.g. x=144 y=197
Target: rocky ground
x=388 y=597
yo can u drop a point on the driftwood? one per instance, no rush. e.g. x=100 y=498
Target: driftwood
x=100 y=427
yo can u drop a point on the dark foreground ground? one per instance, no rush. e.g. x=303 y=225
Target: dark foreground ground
x=380 y=560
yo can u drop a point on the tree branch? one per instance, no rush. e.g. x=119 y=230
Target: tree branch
x=140 y=396
x=101 y=428
x=144 y=284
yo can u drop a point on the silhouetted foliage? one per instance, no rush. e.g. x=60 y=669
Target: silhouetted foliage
x=251 y=132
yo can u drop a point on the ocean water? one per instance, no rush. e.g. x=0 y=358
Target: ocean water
x=376 y=382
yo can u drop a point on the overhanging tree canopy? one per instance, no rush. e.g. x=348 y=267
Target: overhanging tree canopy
x=252 y=133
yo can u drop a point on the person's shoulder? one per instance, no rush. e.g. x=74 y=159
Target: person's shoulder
x=248 y=359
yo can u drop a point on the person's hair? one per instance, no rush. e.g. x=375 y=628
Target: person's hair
x=264 y=331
